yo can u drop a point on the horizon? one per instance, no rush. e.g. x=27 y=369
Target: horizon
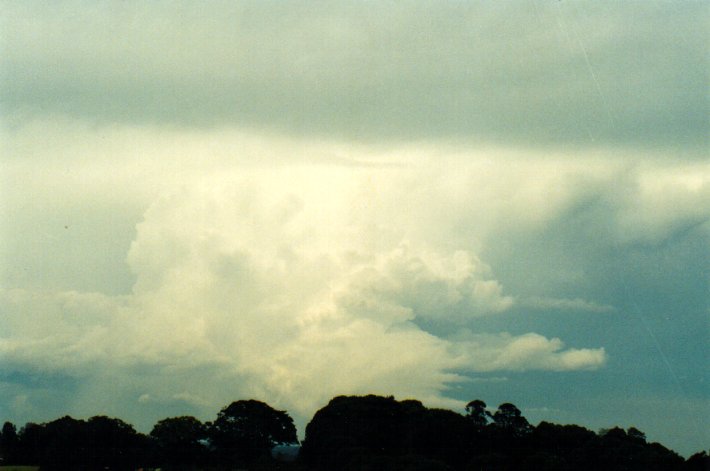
x=301 y=436
x=201 y=202
x=301 y=429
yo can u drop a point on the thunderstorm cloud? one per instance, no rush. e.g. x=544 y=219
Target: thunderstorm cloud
x=207 y=201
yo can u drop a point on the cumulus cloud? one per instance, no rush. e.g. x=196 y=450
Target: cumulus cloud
x=408 y=285
x=492 y=352
x=265 y=285
x=259 y=265
x=287 y=307
x=208 y=201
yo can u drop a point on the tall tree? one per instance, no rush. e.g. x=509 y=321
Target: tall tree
x=9 y=443
x=180 y=442
x=248 y=429
x=64 y=444
x=376 y=432
x=31 y=442
x=509 y=419
x=352 y=427
x=113 y=443
x=476 y=412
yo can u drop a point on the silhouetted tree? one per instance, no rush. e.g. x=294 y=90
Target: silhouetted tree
x=619 y=451
x=445 y=437
x=573 y=446
x=476 y=412
x=350 y=433
x=698 y=462
x=509 y=419
x=113 y=443
x=376 y=432
x=67 y=443
x=351 y=427
x=64 y=444
x=635 y=434
x=180 y=442
x=507 y=436
x=246 y=430
x=31 y=438
x=9 y=443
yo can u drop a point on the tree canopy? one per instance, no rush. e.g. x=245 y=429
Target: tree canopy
x=180 y=441
x=349 y=433
x=247 y=429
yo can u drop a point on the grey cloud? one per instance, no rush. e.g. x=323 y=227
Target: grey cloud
x=575 y=304
x=535 y=73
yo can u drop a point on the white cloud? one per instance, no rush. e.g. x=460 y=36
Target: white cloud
x=494 y=352
x=257 y=200
x=406 y=285
x=291 y=283
x=662 y=199
x=265 y=265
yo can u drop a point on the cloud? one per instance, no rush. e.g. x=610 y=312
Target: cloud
x=663 y=200
x=208 y=265
x=577 y=304
x=258 y=285
x=407 y=285
x=500 y=352
x=539 y=73
x=286 y=306
x=70 y=325
x=229 y=200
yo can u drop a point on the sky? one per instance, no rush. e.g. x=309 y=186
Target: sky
x=202 y=202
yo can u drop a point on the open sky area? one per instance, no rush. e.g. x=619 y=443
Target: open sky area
x=209 y=201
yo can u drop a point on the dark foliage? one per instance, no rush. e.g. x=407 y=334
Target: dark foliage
x=67 y=443
x=350 y=433
x=698 y=462
x=247 y=430
x=180 y=443
x=509 y=420
x=373 y=432
x=478 y=415
x=9 y=443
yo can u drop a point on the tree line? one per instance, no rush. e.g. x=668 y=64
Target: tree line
x=351 y=433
